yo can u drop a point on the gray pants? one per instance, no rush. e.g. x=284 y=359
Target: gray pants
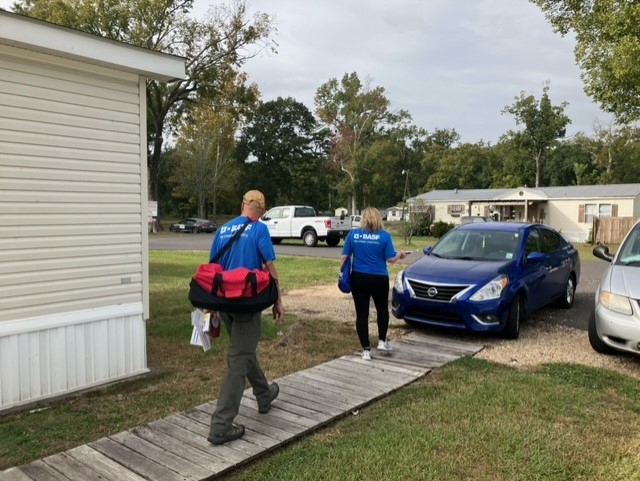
x=244 y=332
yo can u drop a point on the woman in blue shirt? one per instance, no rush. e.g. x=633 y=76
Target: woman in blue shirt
x=371 y=247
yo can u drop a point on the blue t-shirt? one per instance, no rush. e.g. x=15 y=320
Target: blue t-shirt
x=370 y=251
x=251 y=250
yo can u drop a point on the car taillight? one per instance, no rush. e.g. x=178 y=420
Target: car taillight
x=327 y=223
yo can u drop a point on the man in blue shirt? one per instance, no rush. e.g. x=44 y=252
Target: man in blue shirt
x=253 y=250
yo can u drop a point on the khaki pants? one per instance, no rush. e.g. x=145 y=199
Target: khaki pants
x=244 y=332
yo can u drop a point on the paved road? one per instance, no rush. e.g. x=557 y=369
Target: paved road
x=202 y=242
x=577 y=316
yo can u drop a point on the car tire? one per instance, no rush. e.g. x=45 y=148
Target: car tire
x=276 y=240
x=516 y=315
x=569 y=293
x=310 y=238
x=333 y=241
x=194 y=230
x=597 y=344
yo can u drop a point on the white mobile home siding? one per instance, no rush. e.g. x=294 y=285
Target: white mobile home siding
x=564 y=215
x=73 y=243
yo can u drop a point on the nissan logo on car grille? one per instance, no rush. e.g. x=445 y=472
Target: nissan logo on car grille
x=432 y=292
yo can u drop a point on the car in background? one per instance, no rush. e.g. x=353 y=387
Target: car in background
x=475 y=218
x=488 y=277
x=356 y=221
x=193 y=225
x=614 y=325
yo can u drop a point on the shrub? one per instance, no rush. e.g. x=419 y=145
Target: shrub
x=440 y=228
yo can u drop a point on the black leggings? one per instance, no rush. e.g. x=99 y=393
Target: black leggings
x=363 y=288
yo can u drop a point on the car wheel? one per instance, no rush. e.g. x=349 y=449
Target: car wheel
x=516 y=313
x=333 y=241
x=569 y=293
x=597 y=344
x=194 y=230
x=310 y=238
x=276 y=240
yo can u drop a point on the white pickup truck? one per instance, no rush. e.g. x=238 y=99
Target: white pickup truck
x=301 y=222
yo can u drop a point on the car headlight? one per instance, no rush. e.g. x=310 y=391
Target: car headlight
x=397 y=284
x=615 y=302
x=492 y=289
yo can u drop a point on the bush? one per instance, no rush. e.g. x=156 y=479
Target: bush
x=440 y=228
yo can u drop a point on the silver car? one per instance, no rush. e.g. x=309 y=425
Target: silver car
x=615 y=322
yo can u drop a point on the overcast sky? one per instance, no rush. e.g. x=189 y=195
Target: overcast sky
x=449 y=63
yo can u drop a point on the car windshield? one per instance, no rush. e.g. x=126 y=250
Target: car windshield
x=489 y=245
x=630 y=251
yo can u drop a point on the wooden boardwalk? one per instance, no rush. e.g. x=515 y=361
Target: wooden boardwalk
x=176 y=449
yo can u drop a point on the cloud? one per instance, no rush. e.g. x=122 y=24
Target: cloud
x=449 y=63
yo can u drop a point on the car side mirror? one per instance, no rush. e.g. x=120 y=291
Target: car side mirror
x=264 y=217
x=535 y=257
x=602 y=252
x=427 y=250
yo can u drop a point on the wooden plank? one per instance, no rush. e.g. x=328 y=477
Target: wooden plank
x=435 y=355
x=314 y=392
x=255 y=437
x=251 y=422
x=433 y=350
x=461 y=347
x=40 y=471
x=291 y=396
x=376 y=368
x=135 y=462
x=322 y=388
x=409 y=359
x=103 y=465
x=330 y=406
x=400 y=368
x=335 y=384
x=360 y=379
x=162 y=456
x=364 y=374
x=72 y=468
x=241 y=446
x=14 y=474
x=276 y=412
x=292 y=429
x=180 y=449
x=298 y=409
x=354 y=375
x=223 y=452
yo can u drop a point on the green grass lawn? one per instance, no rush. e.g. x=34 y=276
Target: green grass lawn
x=470 y=419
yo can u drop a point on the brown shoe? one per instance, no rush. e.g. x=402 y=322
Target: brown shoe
x=274 y=390
x=236 y=431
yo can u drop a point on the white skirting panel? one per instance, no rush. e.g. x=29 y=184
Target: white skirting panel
x=50 y=356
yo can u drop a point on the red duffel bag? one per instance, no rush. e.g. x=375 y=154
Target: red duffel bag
x=236 y=290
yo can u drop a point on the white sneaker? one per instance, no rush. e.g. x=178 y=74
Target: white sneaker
x=366 y=354
x=384 y=346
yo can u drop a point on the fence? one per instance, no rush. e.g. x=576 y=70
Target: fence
x=611 y=230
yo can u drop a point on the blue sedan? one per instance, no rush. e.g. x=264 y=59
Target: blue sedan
x=488 y=277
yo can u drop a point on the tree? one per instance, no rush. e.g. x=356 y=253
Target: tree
x=223 y=42
x=284 y=151
x=467 y=166
x=205 y=151
x=355 y=113
x=607 y=49
x=543 y=123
